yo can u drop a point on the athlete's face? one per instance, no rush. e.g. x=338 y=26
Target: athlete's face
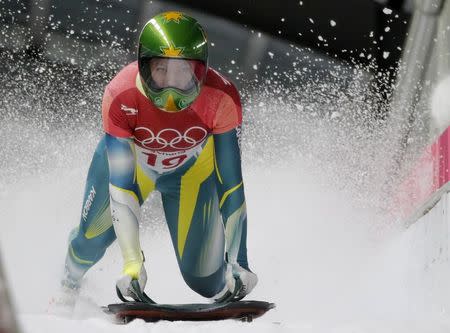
x=176 y=73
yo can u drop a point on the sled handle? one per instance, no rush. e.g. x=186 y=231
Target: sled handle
x=233 y=296
x=138 y=295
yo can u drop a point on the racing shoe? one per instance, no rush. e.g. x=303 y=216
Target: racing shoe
x=63 y=302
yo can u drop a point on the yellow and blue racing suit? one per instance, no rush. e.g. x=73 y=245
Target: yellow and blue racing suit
x=203 y=196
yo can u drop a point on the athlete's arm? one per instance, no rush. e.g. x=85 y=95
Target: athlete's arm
x=231 y=195
x=125 y=198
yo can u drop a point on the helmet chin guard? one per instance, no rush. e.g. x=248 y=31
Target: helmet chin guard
x=173 y=60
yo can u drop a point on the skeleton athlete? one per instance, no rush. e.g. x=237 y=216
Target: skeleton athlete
x=171 y=125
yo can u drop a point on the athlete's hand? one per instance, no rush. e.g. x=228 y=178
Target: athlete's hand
x=127 y=288
x=246 y=277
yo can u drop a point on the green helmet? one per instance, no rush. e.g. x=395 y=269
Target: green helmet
x=173 y=60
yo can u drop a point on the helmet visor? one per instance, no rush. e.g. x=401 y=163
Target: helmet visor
x=182 y=74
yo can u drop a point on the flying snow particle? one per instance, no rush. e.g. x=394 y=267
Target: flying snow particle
x=255 y=67
x=311 y=20
x=320 y=38
x=71 y=32
x=270 y=55
x=282 y=19
x=387 y=29
x=387 y=11
x=335 y=115
x=233 y=62
x=333 y=23
x=386 y=54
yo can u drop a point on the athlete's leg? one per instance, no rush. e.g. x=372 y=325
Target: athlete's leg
x=192 y=212
x=95 y=233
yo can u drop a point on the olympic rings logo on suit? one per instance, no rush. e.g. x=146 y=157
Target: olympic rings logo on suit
x=172 y=138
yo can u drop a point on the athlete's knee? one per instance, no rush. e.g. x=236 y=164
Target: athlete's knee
x=206 y=286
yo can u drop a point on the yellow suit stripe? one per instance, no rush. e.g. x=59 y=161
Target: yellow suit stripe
x=77 y=259
x=227 y=193
x=217 y=170
x=146 y=185
x=190 y=186
x=134 y=195
x=101 y=223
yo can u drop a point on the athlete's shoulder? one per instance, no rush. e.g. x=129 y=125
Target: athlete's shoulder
x=227 y=112
x=125 y=80
x=119 y=105
x=218 y=81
